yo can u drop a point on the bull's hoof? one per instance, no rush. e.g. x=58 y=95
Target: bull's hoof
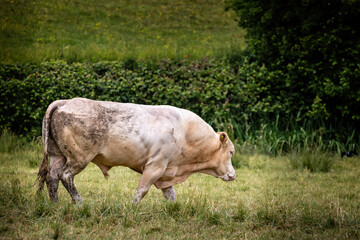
x=55 y=200
x=77 y=200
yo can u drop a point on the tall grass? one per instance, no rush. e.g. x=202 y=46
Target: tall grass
x=312 y=159
x=10 y=143
x=15 y=146
x=276 y=136
x=308 y=144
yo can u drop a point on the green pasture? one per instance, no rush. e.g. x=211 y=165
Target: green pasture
x=291 y=184
x=268 y=200
x=42 y=30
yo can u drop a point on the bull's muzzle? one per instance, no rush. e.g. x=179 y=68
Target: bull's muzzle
x=229 y=177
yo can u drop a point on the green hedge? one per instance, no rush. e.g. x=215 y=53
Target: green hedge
x=208 y=87
x=229 y=96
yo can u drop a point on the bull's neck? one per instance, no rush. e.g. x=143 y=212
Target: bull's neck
x=203 y=161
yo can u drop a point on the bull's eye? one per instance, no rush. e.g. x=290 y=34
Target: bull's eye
x=231 y=153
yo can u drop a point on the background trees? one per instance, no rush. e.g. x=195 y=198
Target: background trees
x=314 y=45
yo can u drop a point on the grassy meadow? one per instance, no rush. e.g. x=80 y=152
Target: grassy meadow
x=303 y=192
x=43 y=30
x=269 y=199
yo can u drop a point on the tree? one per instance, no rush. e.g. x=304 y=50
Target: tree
x=316 y=44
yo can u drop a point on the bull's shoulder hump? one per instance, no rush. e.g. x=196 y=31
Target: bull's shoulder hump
x=173 y=114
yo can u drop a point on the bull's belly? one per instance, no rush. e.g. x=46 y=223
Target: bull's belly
x=122 y=157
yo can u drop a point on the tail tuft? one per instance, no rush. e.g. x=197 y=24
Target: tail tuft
x=43 y=171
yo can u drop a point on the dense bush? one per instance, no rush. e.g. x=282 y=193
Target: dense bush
x=207 y=87
x=234 y=101
x=314 y=46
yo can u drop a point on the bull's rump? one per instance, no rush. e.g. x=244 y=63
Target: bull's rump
x=112 y=134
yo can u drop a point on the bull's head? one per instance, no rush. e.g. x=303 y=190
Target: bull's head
x=220 y=164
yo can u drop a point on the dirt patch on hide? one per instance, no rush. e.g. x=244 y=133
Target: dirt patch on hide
x=88 y=130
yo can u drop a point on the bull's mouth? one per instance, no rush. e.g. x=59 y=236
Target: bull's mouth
x=228 y=177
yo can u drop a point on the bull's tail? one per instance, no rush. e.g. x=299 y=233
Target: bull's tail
x=43 y=171
x=44 y=166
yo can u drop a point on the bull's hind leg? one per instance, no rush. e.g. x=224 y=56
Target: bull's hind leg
x=67 y=175
x=56 y=163
x=77 y=158
x=169 y=193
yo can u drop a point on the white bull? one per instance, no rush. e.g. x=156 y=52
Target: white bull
x=165 y=144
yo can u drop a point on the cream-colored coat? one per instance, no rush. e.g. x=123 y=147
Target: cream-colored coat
x=165 y=144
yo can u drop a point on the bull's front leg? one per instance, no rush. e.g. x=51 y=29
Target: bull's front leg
x=169 y=193
x=150 y=175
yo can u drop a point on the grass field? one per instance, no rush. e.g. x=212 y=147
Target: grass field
x=272 y=197
x=269 y=199
x=41 y=30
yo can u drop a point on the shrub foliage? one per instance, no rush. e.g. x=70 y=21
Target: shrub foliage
x=207 y=87
x=314 y=46
x=232 y=99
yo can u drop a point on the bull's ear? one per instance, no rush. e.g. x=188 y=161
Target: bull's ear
x=222 y=137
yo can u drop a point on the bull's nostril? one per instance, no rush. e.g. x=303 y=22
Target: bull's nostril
x=228 y=177
x=232 y=177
